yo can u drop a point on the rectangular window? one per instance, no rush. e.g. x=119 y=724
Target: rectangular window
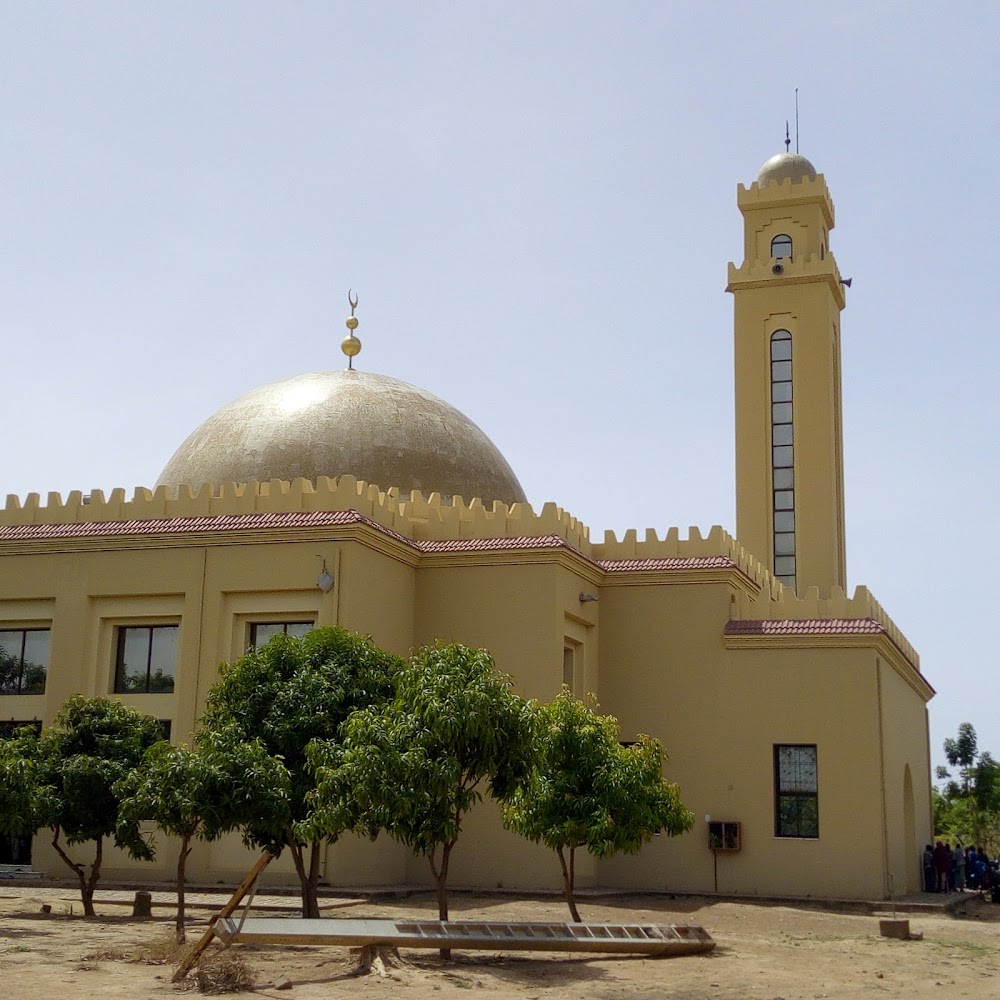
x=9 y=728
x=146 y=659
x=796 y=791
x=24 y=660
x=261 y=632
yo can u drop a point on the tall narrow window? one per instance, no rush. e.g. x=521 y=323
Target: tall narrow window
x=782 y=455
x=781 y=247
x=24 y=660
x=796 y=791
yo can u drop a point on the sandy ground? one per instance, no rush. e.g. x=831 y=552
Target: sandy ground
x=765 y=952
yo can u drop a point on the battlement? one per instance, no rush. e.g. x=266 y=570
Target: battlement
x=758 y=274
x=784 y=605
x=787 y=192
x=410 y=515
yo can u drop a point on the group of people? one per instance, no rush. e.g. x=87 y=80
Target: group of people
x=955 y=869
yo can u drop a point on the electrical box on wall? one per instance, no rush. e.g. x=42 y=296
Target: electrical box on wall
x=725 y=836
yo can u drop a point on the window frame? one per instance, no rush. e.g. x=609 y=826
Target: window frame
x=121 y=638
x=782 y=430
x=781 y=241
x=780 y=794
x=24 y=630
x=252 y=627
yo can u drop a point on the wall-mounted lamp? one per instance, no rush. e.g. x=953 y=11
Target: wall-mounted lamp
x=325 y=579
x=587 y=598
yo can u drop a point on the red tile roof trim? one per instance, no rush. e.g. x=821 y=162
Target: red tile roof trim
x=493 y=544
x=180 y=525
x=673 y=562
x=804 y=626
x=334 y=518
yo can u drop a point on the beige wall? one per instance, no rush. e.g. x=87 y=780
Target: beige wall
x=652 y=647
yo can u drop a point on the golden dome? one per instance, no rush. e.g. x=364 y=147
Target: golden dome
x=785 y=165
x=334 y=423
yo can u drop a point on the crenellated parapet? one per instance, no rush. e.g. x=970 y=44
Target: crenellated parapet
x=782 y=604
x=717 y=543
x=760 y=274
x=789 y=191
x=433 y=519
x=276 y=496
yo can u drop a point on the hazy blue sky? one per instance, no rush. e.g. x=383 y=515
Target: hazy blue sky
x=536 y=204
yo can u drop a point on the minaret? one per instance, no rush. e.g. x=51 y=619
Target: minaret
x=788 y=296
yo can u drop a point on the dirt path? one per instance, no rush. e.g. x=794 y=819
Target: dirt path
x=763 y=952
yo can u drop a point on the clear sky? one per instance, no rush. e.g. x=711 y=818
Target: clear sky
x=535 y=203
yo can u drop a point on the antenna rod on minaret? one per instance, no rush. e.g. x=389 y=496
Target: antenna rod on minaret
x=788 y=139
x=796 y=119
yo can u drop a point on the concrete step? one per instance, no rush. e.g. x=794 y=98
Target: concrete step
x=14 y=872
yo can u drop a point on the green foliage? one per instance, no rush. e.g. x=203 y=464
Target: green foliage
x=967 y=809
x=94 y=744
x=288 y=694
x=588 y=791
x=293 y=691
x=225 y=784
x=25 y=798
x=415 y=766
x=66 y=779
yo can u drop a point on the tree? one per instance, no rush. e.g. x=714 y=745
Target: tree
x=224 y=784
x=590 y=791
x=65 y=779
x=416 y=765
x=968 y=808
x=288 y=694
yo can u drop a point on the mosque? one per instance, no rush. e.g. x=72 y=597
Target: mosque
x=795 y=714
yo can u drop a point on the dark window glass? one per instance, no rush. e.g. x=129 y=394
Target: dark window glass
x=146 y=659
x=796 y=789
x=261 y=632
x=784 y=566
x=782 y=440
x=781 y=246
x=24 y=660
x=784 y=543
x=784 y=520
x=781 y=371
x=783 y=457
x=782 y=434
x=781 y=347
x=9 y=728
x=781 y=413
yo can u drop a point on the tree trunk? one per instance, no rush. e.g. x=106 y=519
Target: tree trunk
x=441 y=879
x=181 y=865
x=86 y=885
x=311 y=898
x=307 y=880
x=569 y=877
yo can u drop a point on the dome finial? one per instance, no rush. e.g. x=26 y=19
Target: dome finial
x=350 y=345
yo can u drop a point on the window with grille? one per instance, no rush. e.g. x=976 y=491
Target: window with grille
x=796 y=791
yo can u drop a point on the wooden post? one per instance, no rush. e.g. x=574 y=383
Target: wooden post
x=244 y=887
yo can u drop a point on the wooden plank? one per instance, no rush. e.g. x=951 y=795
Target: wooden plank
x=472 y=935
x=237 y=897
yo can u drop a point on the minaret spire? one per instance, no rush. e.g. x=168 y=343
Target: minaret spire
x=351 y=345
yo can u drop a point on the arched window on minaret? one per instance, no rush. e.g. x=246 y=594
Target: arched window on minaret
x=782 y=457
x=781 y=247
